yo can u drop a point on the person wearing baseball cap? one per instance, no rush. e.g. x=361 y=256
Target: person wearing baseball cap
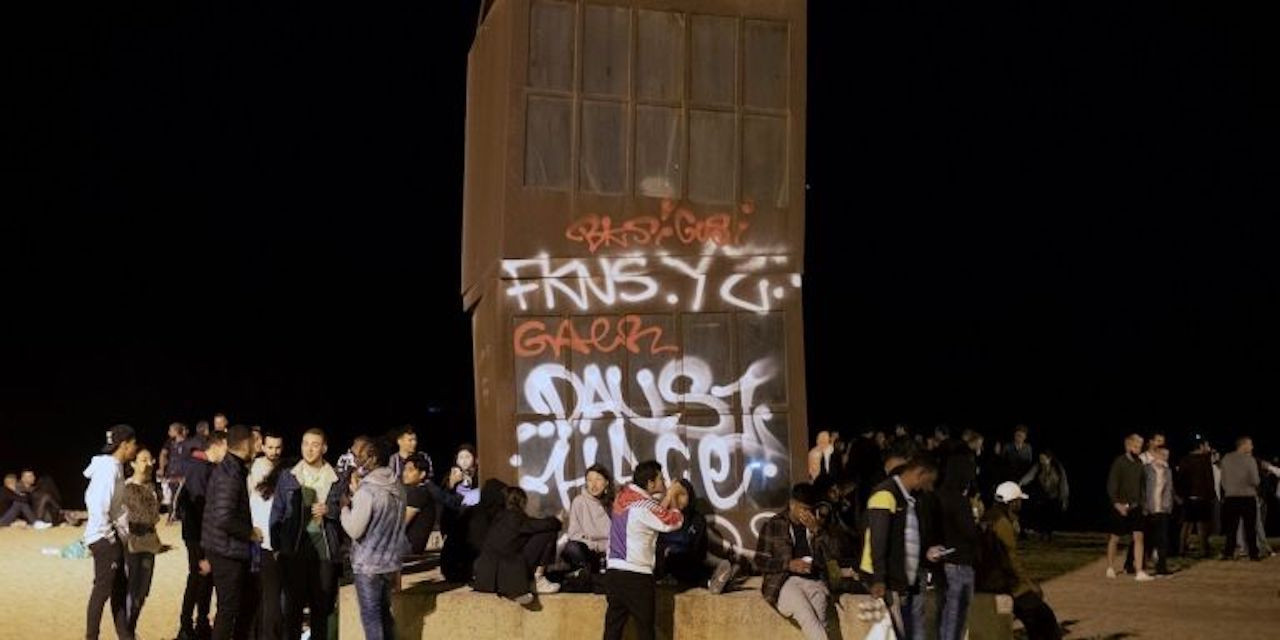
x=104 y=502
x=1028 y=600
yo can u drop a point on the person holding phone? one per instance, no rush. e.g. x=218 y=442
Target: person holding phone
x=960 y=537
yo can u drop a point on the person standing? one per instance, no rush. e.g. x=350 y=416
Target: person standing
x=897 y=544
x=263 y=475
x=306 y=535
x=198 y=596
x=142 y=511
x=960 y=534
x=1195 y=485
x=373 y=519
x=637 y=519
x=104 y=500
x=1158 y=507
x=1125 y=486
x=228 y=537
x=1240 y=480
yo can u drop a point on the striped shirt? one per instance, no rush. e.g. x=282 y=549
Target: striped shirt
x=911 y=535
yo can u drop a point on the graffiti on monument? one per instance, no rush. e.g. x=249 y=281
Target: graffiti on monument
x=605 y=375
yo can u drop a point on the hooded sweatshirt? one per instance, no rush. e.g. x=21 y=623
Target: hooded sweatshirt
x=259 y=507
x=637 y=520
x=374 y=520
x=104 y=499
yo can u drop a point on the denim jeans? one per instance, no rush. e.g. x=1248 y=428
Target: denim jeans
x=374 y=594
x=907 y=610
x=956 y=608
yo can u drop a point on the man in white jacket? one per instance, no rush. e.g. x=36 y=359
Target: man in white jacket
x=103 y=534
x=636 y=521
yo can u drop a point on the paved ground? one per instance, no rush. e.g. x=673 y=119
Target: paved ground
x=1212 y=599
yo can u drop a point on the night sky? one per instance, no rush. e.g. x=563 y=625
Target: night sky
x=1058 y=215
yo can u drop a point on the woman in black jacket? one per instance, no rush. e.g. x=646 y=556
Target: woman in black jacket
x=465 y=536
x=516 y=550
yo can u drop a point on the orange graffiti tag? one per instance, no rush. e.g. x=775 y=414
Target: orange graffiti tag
x=676 y=222
x=532 y=338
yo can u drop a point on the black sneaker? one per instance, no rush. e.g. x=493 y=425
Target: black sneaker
x=724 y=574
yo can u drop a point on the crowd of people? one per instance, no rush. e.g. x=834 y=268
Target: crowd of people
x=902 y=517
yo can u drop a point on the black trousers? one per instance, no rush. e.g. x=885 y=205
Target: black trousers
x=140 y=567
x=540 y=550
x=109 y=583
x=309 y=582
x=1233 y=511
x=630 y=594
x=1036 y=617
x=199 y=591
x=236 y=598
x=268 y=624
x=1158 y=539
x=580 y=556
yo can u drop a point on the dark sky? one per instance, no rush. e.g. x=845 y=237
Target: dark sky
x=1056 y=214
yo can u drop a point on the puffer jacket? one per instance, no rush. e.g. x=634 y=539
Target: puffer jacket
x=375 y=523
x=228 y=525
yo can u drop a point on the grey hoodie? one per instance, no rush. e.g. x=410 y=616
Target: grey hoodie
x=375 y=522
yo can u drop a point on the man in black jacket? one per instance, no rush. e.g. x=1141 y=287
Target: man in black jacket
x=960 y=536
x=198 y=595
x=228 y=536
x=898 y=541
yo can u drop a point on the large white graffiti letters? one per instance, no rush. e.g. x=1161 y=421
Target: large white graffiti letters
x=571 y=401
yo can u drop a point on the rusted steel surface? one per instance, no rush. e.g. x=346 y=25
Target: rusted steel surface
x=633 y=246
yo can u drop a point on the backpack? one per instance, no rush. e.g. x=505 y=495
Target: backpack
x=993 y=572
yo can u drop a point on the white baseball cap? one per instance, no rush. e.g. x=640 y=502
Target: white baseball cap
x=1009 y=491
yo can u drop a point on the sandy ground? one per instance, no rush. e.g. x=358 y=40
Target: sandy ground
x=1213 y=599
x=43 y=597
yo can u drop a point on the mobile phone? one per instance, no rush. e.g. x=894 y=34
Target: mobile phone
x=948 y=551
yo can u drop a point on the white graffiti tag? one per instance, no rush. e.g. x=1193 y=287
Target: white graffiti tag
x=737 y=441
x=755 y=284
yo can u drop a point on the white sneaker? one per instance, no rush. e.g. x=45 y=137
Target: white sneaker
x=542 y=585
x=41 y=524
x=524 y=599
x=1111 y=573
x=1143 y=576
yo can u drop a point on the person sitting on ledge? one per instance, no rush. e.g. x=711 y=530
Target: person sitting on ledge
x=466 y=535
x=517 y=549
x=589 y=522
x=786 y=554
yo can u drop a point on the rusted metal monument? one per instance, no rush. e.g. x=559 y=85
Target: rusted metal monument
x=633 y=246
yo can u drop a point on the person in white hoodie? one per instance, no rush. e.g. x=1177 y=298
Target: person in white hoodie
x=263 y=476
x=104 y=533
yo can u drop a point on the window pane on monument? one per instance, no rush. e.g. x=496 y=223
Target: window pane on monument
x=762 y=350
x=764 y=161
x=542 y=450
x=551 y=45
x=547 y=136
x=603 y=136
x=765 y=447
x=599 y=361
x=714 y=62
x=660 y=71
x=706 y=364
x=541 y=386
x=606 y=46
x=658 y=152
x=658 y=350
x=711 y=157
x=765 y=79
